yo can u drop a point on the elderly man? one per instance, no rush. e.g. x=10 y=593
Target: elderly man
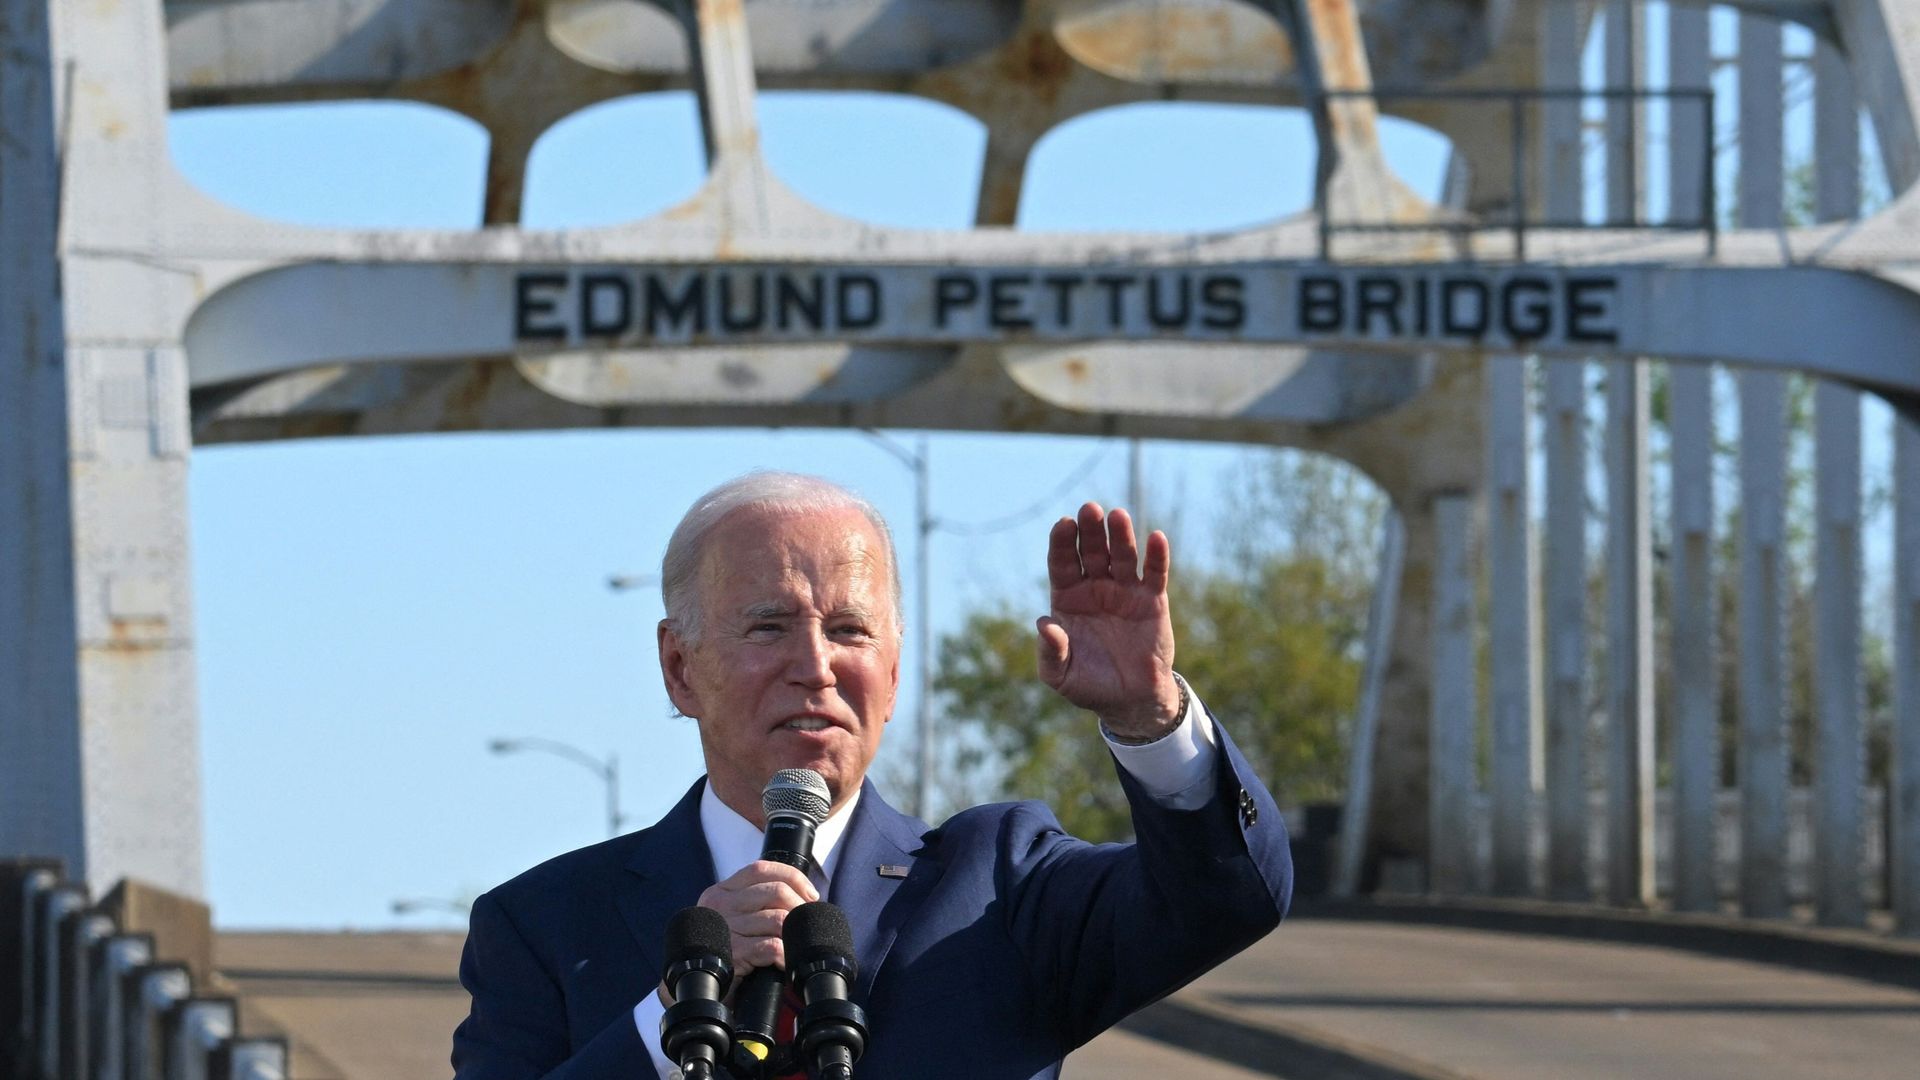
x=988 y=947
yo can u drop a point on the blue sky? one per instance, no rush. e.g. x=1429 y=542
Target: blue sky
x=372 y=611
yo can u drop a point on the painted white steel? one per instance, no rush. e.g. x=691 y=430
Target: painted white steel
x=1629 y=584
x=1566 y=631
x=1454 y=720
x=1762 y=753
x=1904 y=840
x=1366 y=721
x=1839 y=765
x=1512 y=596
x=1694 y=627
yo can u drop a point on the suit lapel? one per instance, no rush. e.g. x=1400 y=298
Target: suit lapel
x=671 y=866
x=879 y=836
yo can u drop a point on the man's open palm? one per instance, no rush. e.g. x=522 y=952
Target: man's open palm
x=1108 y=645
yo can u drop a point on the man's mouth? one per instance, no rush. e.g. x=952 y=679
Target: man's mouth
x=807 y=723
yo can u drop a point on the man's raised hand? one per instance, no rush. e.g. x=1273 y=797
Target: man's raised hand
x=1108 y=645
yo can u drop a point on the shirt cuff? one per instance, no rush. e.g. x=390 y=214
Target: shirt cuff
x=646 y=1017
x=1177 y=769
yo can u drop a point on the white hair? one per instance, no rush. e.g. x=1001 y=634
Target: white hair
x=760 y=490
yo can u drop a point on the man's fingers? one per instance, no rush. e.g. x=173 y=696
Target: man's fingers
x=1093 y=541
x=750 y=953
x=1159 y=562
x=1053 y=648
x=1120 y=540
x=1063 y=555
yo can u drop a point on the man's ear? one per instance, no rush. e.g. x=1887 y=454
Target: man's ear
x=675 y=659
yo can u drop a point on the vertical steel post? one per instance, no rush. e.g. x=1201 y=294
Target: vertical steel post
x=1762 y=615
x=1629 y=639
x=1763 y=584
x=1562 y=154
x=1695 y=757
x=1903 y=843
x=42 y=797
x=1566 y=631
x=1622 y=60
x=1366 y=722
x=1839 y=770
x=1688 y=135
x=1839 y=837
x=1695 y=753
x=1451 y=734
x=1511 y=592
x=923 y=559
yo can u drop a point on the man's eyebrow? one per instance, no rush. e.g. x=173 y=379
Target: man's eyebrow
x=767 y=609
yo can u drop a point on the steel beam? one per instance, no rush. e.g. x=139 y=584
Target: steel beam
x=1512 y=595
x=1630 y=743
x=1762 y=665
x=1839 y=767
x=1695 y=756
x=1763 y=746
x=1454 y=719
x=42 y=805
x=1840 y=753
x=1566 y=632
x=1903 y=841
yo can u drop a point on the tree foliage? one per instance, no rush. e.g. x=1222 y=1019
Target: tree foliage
x=1270 y=639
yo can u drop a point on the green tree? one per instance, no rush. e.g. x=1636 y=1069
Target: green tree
x=1272 y=638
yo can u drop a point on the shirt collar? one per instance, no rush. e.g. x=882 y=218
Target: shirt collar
x=733 y=842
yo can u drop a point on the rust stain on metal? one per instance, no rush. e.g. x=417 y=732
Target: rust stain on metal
x=1077 y=369
x=1228 y=43
x=1034 y=60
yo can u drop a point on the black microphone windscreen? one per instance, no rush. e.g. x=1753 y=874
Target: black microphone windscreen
x=816 y=931
x=695 y=933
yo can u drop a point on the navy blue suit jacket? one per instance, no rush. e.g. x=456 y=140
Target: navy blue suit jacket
x=1007 y=944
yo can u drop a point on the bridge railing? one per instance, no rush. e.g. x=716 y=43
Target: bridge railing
x=82 y=998
x=1545 y=147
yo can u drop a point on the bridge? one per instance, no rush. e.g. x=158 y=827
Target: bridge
x=142 y=318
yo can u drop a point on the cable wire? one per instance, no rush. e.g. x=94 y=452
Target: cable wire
x=1033 y=510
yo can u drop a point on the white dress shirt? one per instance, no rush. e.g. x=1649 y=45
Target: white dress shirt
x=1176 y=771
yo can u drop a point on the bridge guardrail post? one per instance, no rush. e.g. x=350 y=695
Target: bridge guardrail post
x=250 y=1059
x=51 y=909
x=79 y=931
x=194 y=1028
x=21 y=881
x=149 y=991
x=108 y=963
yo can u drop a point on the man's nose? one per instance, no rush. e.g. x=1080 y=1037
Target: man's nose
x=811 y=663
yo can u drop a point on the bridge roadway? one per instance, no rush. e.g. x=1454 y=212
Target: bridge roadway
x=1404 y=991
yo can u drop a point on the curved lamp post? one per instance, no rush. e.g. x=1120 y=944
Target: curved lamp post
x=607 y=770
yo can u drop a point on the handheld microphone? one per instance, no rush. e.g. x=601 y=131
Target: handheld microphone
x=695 y=1032
x=795 y=802
x=833 y=1031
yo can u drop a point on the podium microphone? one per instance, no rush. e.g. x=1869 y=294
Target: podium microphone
x=832 y=1032
x=795 y=802
x=694 y=1031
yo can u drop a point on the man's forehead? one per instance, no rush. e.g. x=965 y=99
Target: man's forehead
x=761 y=542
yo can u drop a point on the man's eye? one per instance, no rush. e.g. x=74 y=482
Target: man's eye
x=852 y=630
x=764 y=628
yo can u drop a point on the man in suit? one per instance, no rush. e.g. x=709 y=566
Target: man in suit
x=988 y=948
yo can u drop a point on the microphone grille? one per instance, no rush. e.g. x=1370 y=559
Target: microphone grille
x=797 y=791
x=816 y=931
x=695 y=933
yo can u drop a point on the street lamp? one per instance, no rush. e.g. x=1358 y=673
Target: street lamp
x=608 y=770
x=923 y=520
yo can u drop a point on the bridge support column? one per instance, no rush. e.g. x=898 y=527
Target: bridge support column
x=1456 y=703
x=1511 y=594
x=1629 y=639
x=99 y=759
x=1696 y=699
x=1903 y=841
x=1839 y=770
x=1763 y=581
x=1566 y=632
